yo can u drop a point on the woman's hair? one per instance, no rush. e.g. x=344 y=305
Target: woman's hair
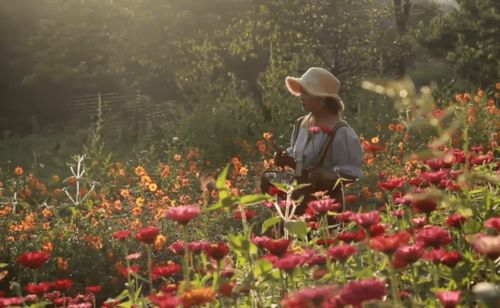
x=333 y=105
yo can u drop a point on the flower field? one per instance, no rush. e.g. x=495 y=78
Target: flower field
x=420 y=229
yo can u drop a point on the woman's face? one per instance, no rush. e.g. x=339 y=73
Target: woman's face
x=311 y=103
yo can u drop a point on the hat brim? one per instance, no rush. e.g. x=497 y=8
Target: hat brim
x=297 y=85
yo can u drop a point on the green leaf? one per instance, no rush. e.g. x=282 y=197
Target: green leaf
x=269 y=223
x=280 y=186
x=297 y=227
x=253 y=199
x=2 y=265
x=300 y=186
x=221 y=180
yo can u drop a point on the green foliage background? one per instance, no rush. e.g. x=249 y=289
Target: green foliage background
x=220 y=64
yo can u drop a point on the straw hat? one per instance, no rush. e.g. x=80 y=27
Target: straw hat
x=316 y=81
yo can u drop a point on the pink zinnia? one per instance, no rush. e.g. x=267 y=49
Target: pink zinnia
x=493 y=223
x=365 y=220
x=433 y=236
x=407 y=255
x=288 y=262
x=177 y=247
x=320 y=207
x=165 y=300
x=349 y=237
x=357 y=292
x=449 y=299
x=183 y=214
x=341 y=253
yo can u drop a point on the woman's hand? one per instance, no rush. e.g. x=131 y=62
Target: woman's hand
x=322 y=175
x=282 y=159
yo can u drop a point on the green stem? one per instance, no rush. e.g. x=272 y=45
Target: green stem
x=435 y=277
x=129 y=281
x=150 y=267
x=185 y=265
x=394 y=286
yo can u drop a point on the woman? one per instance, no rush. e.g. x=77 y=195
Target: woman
x=323 y=147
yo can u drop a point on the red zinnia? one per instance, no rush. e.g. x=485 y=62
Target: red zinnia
x=342 y=252
x=433 y=236
x=197 y=247
x=63 y=285
x=392 y=184
x=406 y=255
x=183 y=214
x=121 y=235
x=308 y=297
x=130 y=270
x=34 y=259
x=148 y=235
x=376 y=230
x=217 y=251
x=349 y=237
x=41 y=288
x=455 y=221
x=346 y=216
x=177 y=247
x=389 y=244
x=277 y=247
x=434 y=177
x=357 y=292
x=166 y=271
x=451 y=258
x=449 y=299
x=94 y=289
x=365 y=220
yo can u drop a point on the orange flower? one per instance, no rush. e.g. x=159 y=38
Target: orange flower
x=137 y=211
x=140 y=171
x=152 y=187
x=196 y=297
x=392 y=127
x=160 y=242
x=375 y=140
x=62 y=264
x=19 y=171
x=125 y=193
x=400 y=127
x=47 y=247
x=165 y=172
x=117 y=205
x=46 y=213
x=177 y=157
x=244 y=171
x=497 y=86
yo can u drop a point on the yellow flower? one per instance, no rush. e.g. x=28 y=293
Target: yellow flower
x=152 y=187
x=267 y=135
x=139 y=201
x=139 y=171
x=375 y=140
x=56 y=178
